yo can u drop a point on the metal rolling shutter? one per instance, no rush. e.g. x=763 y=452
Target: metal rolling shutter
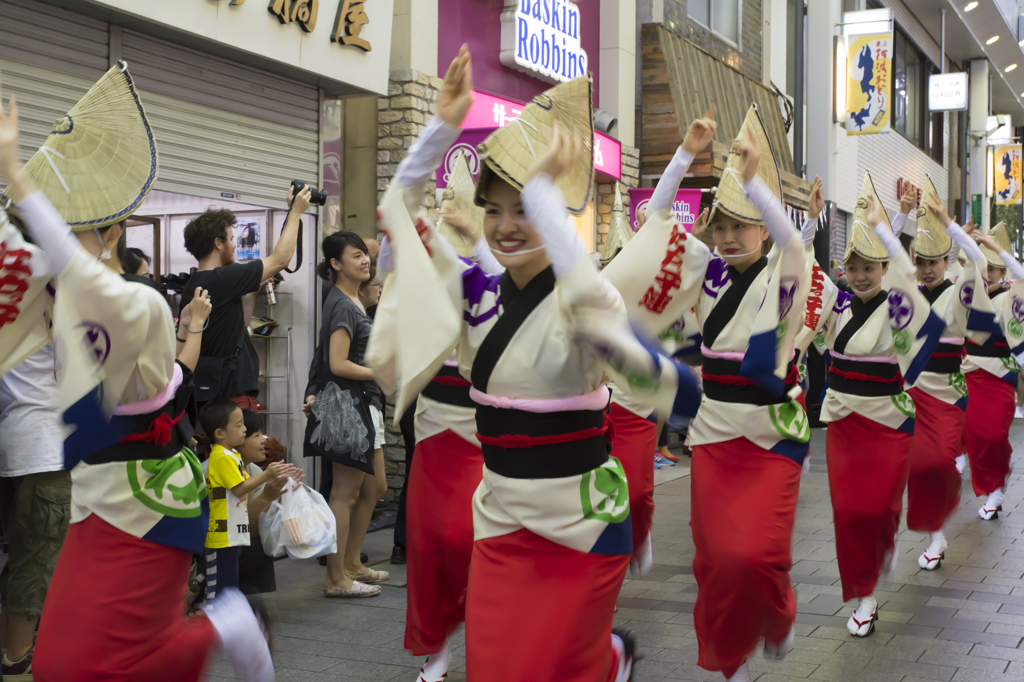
x=222 y=127
x=50 y=57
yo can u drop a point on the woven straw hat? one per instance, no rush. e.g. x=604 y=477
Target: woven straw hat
x=619 y=232
x=863 y=241
x=730 y=197
x=510 y=152
x=931 y=240
x=459 y=196
x=1001 y=237
x=100 y=162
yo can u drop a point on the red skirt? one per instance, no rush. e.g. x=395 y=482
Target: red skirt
x=446 y=471
x=634 y=444
x=868 y=465
x=933 y=488
x=742 y=511
x=114 y=612
x=990 y=407
x=540 y=612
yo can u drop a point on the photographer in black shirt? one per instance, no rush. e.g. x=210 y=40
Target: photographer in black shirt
x=228 y=366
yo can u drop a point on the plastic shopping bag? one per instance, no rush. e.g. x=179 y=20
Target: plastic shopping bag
x=300 y=523
x=270 y=530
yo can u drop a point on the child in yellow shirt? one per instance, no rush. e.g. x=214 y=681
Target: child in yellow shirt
x=228 y=485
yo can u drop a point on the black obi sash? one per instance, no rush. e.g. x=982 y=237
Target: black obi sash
x=160 y=434
x=723 y=382
x=520 y=444
x=867 y=379
x=945 y=359
x=450 y=388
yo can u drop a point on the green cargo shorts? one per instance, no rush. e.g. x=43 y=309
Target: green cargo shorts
x=35 y=511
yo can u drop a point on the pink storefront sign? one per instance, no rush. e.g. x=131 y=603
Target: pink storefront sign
x=686 y=206
x=488 y=113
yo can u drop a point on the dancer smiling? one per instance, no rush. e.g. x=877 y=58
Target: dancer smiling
x=871 y=343
x=551 y=515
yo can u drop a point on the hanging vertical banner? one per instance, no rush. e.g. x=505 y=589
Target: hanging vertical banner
x=869 y=84
x=1007 y=176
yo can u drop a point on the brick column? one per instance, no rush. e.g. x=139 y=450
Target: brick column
x=411 y=101
x=606 y=193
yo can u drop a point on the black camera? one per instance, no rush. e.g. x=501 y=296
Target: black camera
x=316 y=196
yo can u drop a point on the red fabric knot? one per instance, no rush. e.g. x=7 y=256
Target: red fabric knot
x=857 y=376
x=521 y=441
x=452 y=381
x=946 y=355
x=159 y=433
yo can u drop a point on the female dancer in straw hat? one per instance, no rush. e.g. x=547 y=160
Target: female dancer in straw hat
x=871 y=343
x=940 y=392
x=551 y=515
x=139 y=508
x=448 y=465
x=750 y=435
x=990 y=367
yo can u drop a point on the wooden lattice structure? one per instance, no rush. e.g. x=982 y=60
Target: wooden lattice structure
x=679 y=83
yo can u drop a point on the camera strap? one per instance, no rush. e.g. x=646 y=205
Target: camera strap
x=298 y=250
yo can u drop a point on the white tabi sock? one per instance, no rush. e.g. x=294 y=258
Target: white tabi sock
x=862 y=617
x=742 y=674
x=961 y=463
x=933 y=555
x=240 y=635
x=992 y=505
x=436 y=667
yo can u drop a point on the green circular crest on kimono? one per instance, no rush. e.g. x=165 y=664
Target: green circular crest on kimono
x=174 y=486
x=1014 y=327
x=959 y=383
x=901 y=339
x=1010 y=364
x=604 y=493
x=905 y=404
x=790 y=420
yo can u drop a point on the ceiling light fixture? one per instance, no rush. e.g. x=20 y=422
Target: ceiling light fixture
x=970 y=6
x=1010 y=68
x=991 y=40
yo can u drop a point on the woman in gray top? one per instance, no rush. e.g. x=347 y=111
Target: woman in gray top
x=345 y=424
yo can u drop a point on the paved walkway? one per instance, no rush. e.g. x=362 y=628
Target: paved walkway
x=964 y=622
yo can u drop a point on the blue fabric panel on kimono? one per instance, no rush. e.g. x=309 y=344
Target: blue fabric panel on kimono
x=187 y=534
x=759 y=363
x=962 y=403
x=979 y=321
x=616 y=540
x=931 y=331
x=792 y=450
x=93 y=431
x=907 y=426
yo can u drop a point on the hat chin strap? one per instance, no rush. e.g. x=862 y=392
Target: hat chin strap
x=864 y=293
x=105 y=253
x=740 y=255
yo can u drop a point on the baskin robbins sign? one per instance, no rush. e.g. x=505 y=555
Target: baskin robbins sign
x=542 y=38
x=488 y=113
x=686 y=207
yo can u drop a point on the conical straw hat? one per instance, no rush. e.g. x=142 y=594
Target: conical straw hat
x=1001 y=237
x=459 y=196
x=931 y=240
x=730 y=197
x=619 y=232
x=100 y=162
x=863 y=241
x=510 y=152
